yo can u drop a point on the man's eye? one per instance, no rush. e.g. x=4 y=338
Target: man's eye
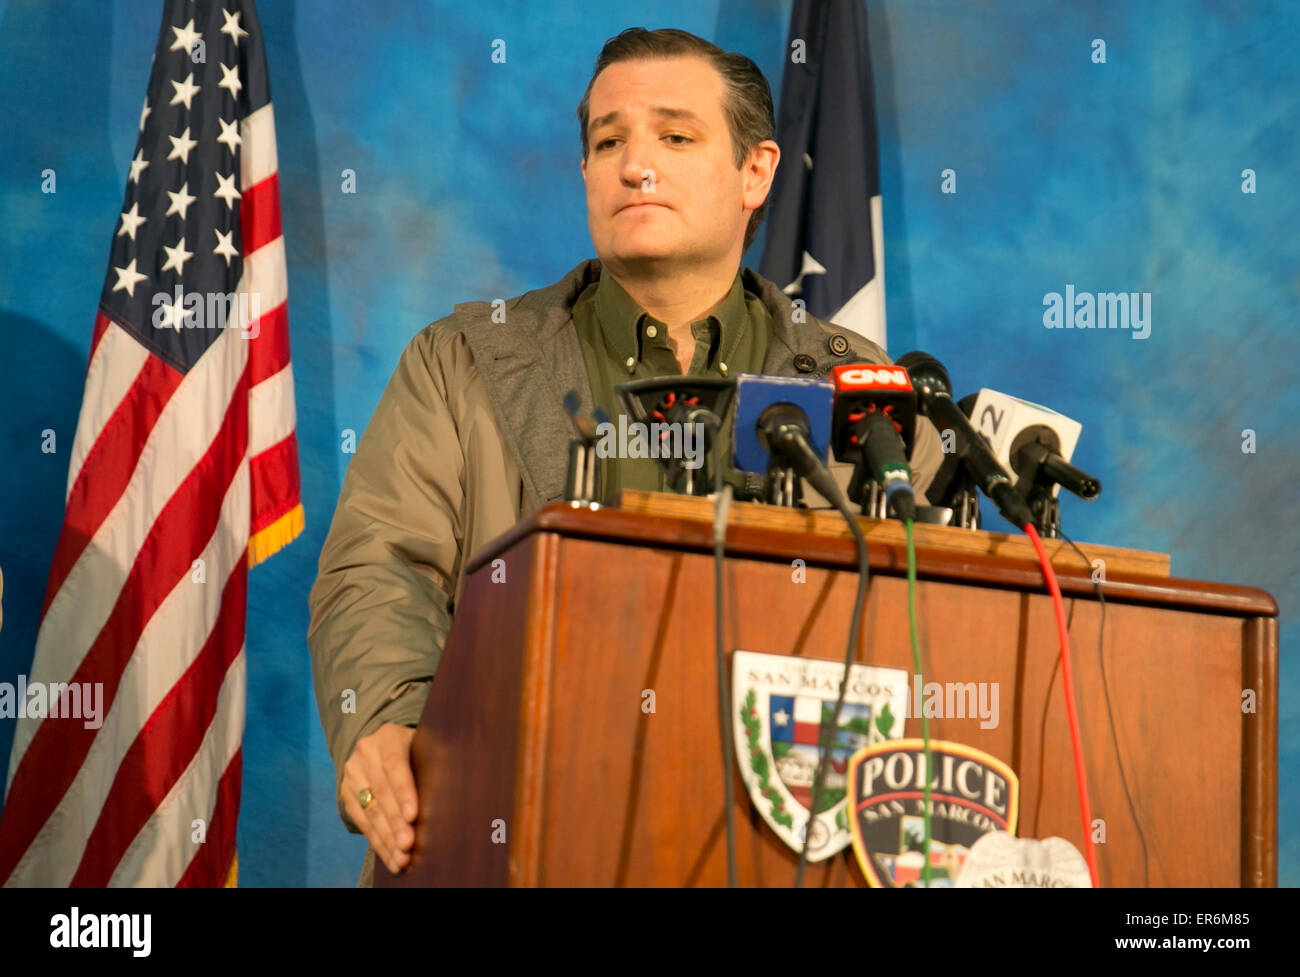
x=604 y=142
x=675 y=135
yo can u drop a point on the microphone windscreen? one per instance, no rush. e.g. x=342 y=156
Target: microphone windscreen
x=756 y=392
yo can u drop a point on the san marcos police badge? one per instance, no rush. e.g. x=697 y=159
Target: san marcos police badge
x=779 y=703
x=971 y=794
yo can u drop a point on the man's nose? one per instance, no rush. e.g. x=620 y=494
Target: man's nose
x=638 y=162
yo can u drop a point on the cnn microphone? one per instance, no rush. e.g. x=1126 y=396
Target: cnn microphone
x=780 y=429
x=873 y=425
x=934 y=398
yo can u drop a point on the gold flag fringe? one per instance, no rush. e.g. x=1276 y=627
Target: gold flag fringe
x=273 y=538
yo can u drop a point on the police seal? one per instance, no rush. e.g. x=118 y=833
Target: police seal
x=779 y=704
x=971 y=795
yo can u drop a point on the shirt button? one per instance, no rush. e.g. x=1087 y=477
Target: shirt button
x=631 y=362
x=651 y=331
x=722 y=368
x=804 y=363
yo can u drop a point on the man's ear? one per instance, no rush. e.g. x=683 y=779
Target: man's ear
x=760 y=169
x=583 y=167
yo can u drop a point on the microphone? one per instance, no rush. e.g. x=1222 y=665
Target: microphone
x=934 y=397
x=1036 y=443
x=672 y=407
x=1033 y=441
x=780 y=428
x=874 y=425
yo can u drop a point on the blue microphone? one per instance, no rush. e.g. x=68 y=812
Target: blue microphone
x=785 y=420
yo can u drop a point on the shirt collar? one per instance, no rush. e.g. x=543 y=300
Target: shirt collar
x=621 y=320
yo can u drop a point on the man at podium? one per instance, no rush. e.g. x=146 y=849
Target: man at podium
x=470 y=436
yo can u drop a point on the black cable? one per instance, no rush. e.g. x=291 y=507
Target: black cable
x=724 y=705
x=859 y=605
x=1110 y=716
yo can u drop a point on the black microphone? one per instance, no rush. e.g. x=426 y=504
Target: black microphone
x=1036 y=442
x=873 y=425
x=671 y=407
x=786 y=419
x=784 y=429
x=1035 y=455
x=934 y=395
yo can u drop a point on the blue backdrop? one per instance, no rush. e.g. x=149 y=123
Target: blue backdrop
x=1125 y=175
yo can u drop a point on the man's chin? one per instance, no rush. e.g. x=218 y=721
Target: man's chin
x=644 y=252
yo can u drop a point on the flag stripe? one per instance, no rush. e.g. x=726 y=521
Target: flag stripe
x=259 y=213
x=168 y=742
x=271 y=412
x=187 y=521
x=267 y=286
x=110 y=464
x=206 y=868
x=155 y=857
x=268 y=352
x=274 y=485
x=113 y=367
x=102 y=322
x=171 y=642
x=257 y=157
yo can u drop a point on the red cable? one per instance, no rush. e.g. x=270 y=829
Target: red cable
x=1085 y=810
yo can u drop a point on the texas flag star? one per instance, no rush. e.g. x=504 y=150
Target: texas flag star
x=781 y=717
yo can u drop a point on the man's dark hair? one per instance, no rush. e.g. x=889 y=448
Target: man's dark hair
x=746 y=103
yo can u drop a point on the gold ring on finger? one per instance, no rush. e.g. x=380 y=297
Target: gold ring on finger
x=365 y=796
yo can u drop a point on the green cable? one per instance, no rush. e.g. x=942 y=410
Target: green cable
x=925 y=722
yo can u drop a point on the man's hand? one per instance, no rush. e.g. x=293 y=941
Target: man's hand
x=382 y=763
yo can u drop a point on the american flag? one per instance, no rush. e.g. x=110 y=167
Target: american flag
x=184 y=472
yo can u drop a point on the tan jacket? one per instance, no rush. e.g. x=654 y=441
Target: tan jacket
x=469 y=437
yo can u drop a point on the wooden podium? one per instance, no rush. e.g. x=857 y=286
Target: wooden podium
x=537 y=766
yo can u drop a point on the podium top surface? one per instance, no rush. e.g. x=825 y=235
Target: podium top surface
x=821 y=537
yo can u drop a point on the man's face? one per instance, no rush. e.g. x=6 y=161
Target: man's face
x=662 y=181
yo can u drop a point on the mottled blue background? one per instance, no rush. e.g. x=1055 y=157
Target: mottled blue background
x=1117 y=177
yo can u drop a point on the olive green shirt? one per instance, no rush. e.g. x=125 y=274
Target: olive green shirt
x=621 y=342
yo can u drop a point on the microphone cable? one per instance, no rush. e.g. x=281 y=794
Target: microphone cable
x=721 y=506
x=1067 y=676
x=1110 y=715
x=919 y=684
x=855 y=625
